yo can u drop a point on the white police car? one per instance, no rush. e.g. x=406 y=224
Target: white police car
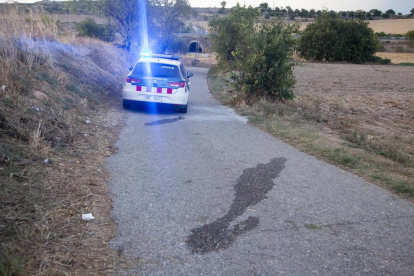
x=158 y=79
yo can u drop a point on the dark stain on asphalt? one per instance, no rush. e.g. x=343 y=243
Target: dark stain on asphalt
x=251 y=188
x=164 y=121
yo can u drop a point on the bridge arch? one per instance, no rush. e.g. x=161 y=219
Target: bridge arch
x=195 y=47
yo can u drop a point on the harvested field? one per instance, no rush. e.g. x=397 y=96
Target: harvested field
x=398 y=57
x=392 y=26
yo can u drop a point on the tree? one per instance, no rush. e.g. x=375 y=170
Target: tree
x=333 y=39
x=264 y=66
x=412 y=11
x=312 y=13
x=231 y=32
x=166 y=17
x=376 y=12
x=89 y=27
x=163 y=18
x=304 y=13
x=263 y=5
x=125 y=17
x=390 y=12
x=223 y=4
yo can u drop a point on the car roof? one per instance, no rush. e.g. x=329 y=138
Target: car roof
x=160 y=60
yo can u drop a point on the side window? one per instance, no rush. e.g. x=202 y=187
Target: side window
x=183 y=71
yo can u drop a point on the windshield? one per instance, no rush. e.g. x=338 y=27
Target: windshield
x=157 y=70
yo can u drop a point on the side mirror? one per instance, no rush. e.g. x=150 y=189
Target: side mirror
x=130 y=68
x=189 y=75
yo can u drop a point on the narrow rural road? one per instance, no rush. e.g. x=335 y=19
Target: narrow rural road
x=207 y=194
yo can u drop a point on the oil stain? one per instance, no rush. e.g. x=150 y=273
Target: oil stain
x=164 y=121
x=251 y=188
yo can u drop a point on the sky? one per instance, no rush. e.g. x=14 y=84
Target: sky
x=403 y=6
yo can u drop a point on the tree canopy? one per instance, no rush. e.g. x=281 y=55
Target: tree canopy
x=334 y=39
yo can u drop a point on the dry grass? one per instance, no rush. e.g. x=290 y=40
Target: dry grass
x=51 y=161
x=358 y=117
x=397 y=57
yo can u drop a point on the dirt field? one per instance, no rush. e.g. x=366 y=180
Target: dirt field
x=392 y=26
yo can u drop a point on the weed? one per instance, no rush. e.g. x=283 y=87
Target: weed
x=398 y=186
x=313 y=226
x=10 y=265
x=406 y=64
x=395 y=155
x=357 y=139
x=399 y=49
x=342 y=157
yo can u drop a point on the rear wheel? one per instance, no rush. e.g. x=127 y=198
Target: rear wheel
x=126 y=104
x=183 y=109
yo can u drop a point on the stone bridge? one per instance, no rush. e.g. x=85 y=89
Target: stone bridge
x=197 y=43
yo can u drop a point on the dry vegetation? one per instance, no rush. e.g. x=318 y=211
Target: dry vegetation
x=58 y=120
x=358 y=117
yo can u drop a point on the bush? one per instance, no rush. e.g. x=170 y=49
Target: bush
x=265 y=67
x=410 y=35
x=89 y=27
x=177 y=45
x=333 y=39
x=399 y=49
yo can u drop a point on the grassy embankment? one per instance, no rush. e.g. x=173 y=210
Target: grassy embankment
x=356 y=131
x=58 y=119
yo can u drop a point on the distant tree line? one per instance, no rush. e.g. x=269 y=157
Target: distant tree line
x=267 y=12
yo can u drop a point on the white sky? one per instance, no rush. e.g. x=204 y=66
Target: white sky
x=403 y=6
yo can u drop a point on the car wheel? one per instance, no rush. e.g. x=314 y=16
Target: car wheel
x=183 y=109
x=126 y=104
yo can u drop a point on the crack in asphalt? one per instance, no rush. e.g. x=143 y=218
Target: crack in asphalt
x=164 y=121
x=251 y=188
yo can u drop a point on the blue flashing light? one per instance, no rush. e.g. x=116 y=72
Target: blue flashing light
x=146 y=54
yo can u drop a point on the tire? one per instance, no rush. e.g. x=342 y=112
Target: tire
x=183 y=109
x=126 y=104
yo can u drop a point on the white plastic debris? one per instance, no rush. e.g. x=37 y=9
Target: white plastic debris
x=87 y=122
x=88 y=216
x=35 y=108
x=47 y=161
x=3 y=87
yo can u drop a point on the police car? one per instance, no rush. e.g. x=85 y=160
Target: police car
x=158 y=78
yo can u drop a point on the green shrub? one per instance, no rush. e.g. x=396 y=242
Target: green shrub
x=89 y=27
x=399 y=49
x=381 y=34
x=379 y=60
x=410 y=35
x=265 y=67
x=334 y=39
x=177 y=45
x=398 y=35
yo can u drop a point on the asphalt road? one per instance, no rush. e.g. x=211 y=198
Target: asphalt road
x=205 y=193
